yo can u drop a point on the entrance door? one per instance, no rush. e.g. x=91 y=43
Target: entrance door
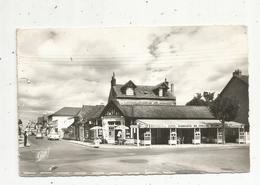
x=111 y=133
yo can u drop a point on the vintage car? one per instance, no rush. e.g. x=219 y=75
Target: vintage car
x=53 y=136
x=39 y=135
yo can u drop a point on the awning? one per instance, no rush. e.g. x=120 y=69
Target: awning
x=67 y=123
x=152 y=123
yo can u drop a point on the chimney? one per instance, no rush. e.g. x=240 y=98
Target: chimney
x=237 y=73
x=166 y=82
x=113 y=80
x=172 y=89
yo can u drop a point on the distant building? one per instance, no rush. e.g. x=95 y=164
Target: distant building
x=41 y=122
x=62 y=118
x=238 y=87
x=86 y=118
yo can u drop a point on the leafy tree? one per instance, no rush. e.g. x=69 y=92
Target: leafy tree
x=202 y=100
x=224 y=109
x=197 y=100
x=209 y=97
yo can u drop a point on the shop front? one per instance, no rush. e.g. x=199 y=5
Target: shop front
x=172 y=132
x=110 y=126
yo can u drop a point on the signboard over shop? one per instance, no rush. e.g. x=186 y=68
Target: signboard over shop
x=185 y=124
x=178 y=124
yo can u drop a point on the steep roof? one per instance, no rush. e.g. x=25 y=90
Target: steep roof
x=244 y=78
x=141 y=92
x=164 y=111
x=90 y=111
x=241 y=78
x=67 y=111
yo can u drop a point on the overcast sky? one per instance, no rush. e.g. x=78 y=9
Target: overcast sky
x=72 y=67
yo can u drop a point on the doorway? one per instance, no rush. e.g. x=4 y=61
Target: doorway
x=231 y=135
x=185 y=135
x=160 y=135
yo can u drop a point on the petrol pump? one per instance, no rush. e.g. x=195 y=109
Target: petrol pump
x=197 y=136
x=147 y=138
x=173 y=136
x=241 y=136
x=219 y=135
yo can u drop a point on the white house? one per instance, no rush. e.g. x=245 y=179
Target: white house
x=62 y=117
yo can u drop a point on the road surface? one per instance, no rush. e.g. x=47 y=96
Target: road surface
x=63 y=158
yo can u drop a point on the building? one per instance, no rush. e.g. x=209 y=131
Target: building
x=238 y=87
x=88 y=115
x=62 y=119
x=149 y=115
x=130 y=93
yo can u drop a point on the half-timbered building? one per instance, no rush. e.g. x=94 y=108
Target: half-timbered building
x=149 y=115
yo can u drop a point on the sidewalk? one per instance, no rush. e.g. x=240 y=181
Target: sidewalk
x=110 y=146
x=21 y=142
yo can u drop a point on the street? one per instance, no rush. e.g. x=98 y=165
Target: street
x=63 y=158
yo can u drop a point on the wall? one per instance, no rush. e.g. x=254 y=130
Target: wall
x=240 y=90
x=61 y=121
x=146 y=102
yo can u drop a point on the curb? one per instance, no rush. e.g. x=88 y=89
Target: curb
x=158 y=147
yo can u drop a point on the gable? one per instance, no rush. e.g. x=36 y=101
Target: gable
x=111 y=110
x=234 y=87
x=128 y=84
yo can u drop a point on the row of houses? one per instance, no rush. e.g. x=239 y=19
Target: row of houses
x=149 y=115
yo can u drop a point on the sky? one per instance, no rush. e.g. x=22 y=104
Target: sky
x=71 y=67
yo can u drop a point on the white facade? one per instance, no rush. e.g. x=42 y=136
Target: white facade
x=62 y=122
x=109 y=125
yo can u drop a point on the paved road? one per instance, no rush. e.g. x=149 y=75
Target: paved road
x=62 y=158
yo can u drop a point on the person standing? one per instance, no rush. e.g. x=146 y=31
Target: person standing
x=25 y=138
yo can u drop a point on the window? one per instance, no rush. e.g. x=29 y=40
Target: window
x=129 y=91
x=160 y=92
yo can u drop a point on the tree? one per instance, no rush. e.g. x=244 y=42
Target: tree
x=224 y=109
x=202 y=100
x=209 y=97
x=197 y=100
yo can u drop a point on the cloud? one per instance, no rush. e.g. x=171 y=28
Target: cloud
x=72 y=67
x=154 y=47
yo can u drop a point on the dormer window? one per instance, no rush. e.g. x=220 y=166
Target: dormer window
x=129 y=91
x=129 y=88
x=160 y=92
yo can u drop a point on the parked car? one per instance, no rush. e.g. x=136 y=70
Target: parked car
x=39 y=135
x=53 y=136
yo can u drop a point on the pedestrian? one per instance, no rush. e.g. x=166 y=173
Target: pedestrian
x=119 y=134
x=25 y=138
x=119 y=137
